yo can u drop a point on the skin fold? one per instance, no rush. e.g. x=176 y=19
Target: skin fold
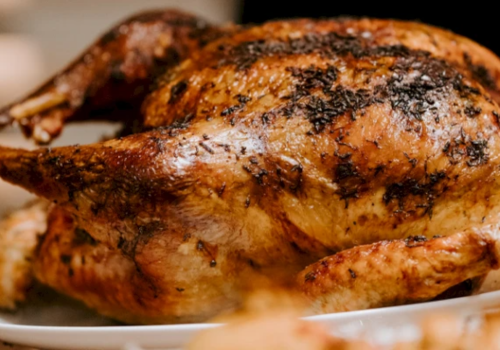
x=258 y=151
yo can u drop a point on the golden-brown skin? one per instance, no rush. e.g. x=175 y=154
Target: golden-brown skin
x=266 y=149
x=396 y=272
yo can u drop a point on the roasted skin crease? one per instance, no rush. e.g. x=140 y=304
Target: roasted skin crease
x=260 y=151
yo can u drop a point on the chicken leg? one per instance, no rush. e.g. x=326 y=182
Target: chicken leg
x=110 y=80
x=397 y=272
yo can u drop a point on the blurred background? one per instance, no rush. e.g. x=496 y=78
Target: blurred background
x=39 y=37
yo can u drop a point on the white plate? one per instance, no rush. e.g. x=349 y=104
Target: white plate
x=40 y=326
x=54 y=322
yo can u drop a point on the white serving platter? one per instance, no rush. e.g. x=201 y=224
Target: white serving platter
x=63 y=324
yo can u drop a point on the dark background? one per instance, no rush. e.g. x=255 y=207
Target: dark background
x=475 y=19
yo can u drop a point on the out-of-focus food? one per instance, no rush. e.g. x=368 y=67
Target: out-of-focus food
x=267 y=321
x=274 y=324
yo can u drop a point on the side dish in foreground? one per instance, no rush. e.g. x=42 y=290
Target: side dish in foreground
x=270 y=321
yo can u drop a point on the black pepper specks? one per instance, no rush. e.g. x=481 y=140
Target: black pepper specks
x=243 y=99
x=432 y=79
x=476 y=151
x=177 y=91
x=446 y=147
x=265 y=118
x=463 y=147
x=412 y=161
x=345 y=171
x=415 y=241
x=310 y=277
x=230 y=110
x=206 y=147
x=472 y=111
x=179 y=124
x=427 y=190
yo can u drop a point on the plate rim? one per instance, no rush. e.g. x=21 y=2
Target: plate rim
x=423 y=306
x=178 y=335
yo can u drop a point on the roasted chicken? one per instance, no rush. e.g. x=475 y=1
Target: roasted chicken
x=250 y=152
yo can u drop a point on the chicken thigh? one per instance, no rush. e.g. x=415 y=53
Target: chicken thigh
x=250 y=152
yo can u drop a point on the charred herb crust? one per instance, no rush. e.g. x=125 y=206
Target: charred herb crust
x=177 y=91
x=329 y=45
x=427 y=190
x=417 y=83
x=463 y=146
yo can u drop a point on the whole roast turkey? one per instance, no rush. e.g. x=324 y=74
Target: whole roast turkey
x=353 y=160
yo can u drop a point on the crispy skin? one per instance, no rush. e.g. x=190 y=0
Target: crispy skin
x=396 y=272
x=157 y=284
x=19 y=234
x=274 y=146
